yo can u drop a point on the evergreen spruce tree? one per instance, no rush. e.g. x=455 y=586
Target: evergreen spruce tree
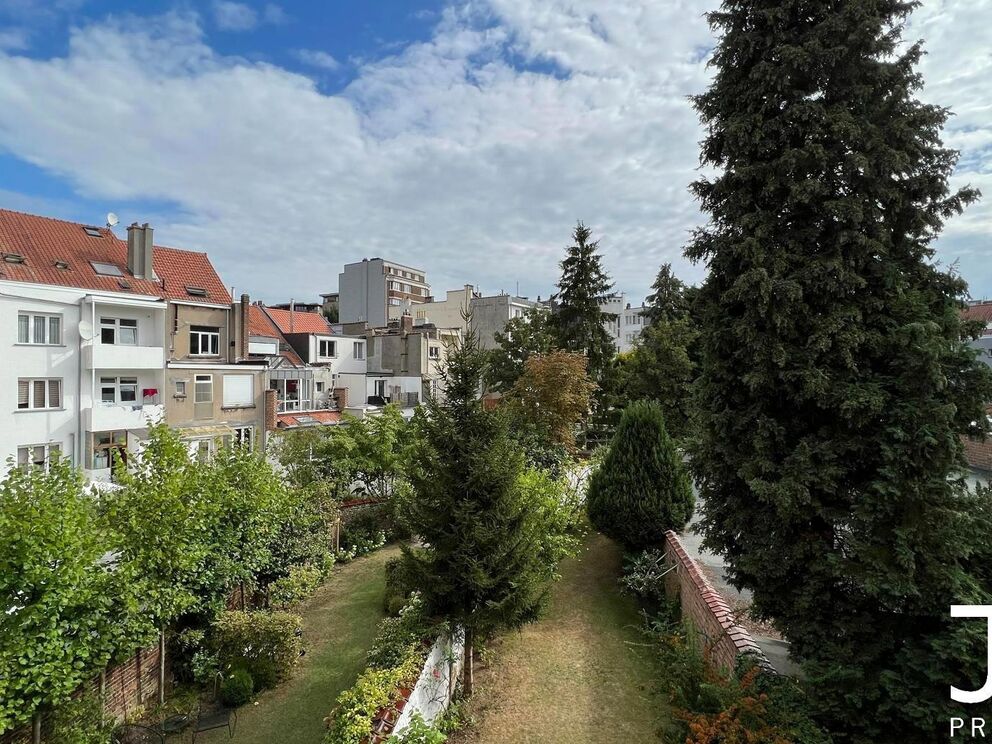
x=641 y=489
x=484 y=562
x=667 y=301
x=578 y=320
x=836 y=378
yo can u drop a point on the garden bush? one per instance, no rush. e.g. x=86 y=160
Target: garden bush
x=418 y=732
x=399 y=586
x=81 y=721
x=301 y=582
x=641 y=489
x=237 y=688
x=266 y=644
x=644 y=577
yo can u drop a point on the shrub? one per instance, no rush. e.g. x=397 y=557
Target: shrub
x=266 y=644
x=418 y=732
x=81 y=721
x=399 y=638
x=643 y=576
x=641 y=489
x=399 y=585
x=237 y=688
x=301 y=582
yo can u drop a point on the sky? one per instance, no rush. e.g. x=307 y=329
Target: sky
x=464 y=137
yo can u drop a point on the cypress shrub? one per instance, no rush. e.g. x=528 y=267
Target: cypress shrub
x=641 y=489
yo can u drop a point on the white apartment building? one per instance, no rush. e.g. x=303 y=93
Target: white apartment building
x=628 y=321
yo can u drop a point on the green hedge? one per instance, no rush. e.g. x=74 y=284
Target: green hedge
x=265 y=644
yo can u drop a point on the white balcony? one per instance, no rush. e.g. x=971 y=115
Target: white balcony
x=122 y=356
x=106 y=417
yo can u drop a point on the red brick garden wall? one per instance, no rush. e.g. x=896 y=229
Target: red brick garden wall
x=705 y=609
x=978 y=454
x=127 y=686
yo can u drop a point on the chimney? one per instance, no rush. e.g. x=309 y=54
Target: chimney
x=243 y=336
x=271 y=407
x=406 y=323
x=140 y=251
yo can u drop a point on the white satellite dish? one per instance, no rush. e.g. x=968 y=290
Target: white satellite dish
x=112 y=219
x=85 y=330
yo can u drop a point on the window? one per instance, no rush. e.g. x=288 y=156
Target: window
x=196 y=291
x=39 y=394
x=433 y=352
x=239 y=391
x=203 y=389
x=244 y=436
x=180 y=388
x=380 y=388
x=204 y=341
x=320 y=387
x=327 y=349
x=291 y=395
x=394 y=301
x=105 y=445
x=39 y=329
x=106 y=269
x=37 y=455
x=119 y=331
x=118 y=390
x=93 y=232
x=359 y=350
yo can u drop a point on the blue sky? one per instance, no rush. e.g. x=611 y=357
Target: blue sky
x=461 y=136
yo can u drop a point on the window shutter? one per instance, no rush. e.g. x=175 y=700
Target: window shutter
x=39 y=393
x=55 y=393
x=22 y=393
x=238 y=390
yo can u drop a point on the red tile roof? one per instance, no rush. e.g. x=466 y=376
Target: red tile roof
x=982 y=311
x=260 y=324
x=289 y=420
x=299 y=322
x=43 y=241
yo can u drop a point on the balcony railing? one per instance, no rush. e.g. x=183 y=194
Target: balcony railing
x=122 y=356
x=117 y=417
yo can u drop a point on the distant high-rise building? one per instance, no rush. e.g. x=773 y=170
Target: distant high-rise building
x=367 y=288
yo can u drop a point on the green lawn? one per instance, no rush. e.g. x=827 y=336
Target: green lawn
x=340 y=622
x=582 y=674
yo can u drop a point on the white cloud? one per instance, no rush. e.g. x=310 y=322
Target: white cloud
x=232 y=16
x=274 y=14
x=444 y=156
x=13 y=39
x=317 y=58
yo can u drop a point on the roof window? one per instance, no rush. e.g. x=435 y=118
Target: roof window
x=124 y=284
x=106 y=269
x=196 y=291
x=305 y=419
x=93 y=232
x=13 y=258
x=61 y=264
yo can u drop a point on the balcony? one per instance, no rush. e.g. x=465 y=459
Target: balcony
x=113 y=417
x=122 y=356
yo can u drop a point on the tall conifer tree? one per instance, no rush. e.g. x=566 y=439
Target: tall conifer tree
x=836 y=378
x=578 y=319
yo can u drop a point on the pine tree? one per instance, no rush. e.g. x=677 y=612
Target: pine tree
x=578 y=319
x=836 y=378
x=641 y=489
x=484 y=562
x=667 y=301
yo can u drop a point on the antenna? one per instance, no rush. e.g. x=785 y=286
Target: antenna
x=112 y=219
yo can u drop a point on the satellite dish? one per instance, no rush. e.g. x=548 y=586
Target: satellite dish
x=112 y=219
x=85 y=330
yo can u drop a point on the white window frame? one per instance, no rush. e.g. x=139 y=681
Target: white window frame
x=433 y=351
x=359 y=350
x=31 y=336
x=320 y=348
x=30 y=397
x=233 y=394
x=210 y=334
x=116 y=326
x=181 y=388
x=244 y=436
x=30 y=450
x=119 y=385
x=208 y=381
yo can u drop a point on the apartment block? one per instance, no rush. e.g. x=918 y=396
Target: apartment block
x=368 y=288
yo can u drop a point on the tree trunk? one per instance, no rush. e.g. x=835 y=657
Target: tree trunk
x=36 y=728
x=161 y=666
x=468 y=673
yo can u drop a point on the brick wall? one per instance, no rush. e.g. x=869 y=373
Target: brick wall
x=977 y=453
x=723 y=639
x=126 y=686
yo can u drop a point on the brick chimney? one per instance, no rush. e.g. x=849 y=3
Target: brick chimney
x=406 y=323
x=271 y=408
x=140 y=251
x=243 y=336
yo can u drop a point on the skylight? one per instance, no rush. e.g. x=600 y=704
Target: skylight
x=124 y=284
x=196 y=291
x=93 y=232
x=14 y=258
x=61 y=264
x=305 y=420
x=106 y=269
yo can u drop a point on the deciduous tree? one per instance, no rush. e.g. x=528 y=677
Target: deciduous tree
x=554 y=393
x=522 y=337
